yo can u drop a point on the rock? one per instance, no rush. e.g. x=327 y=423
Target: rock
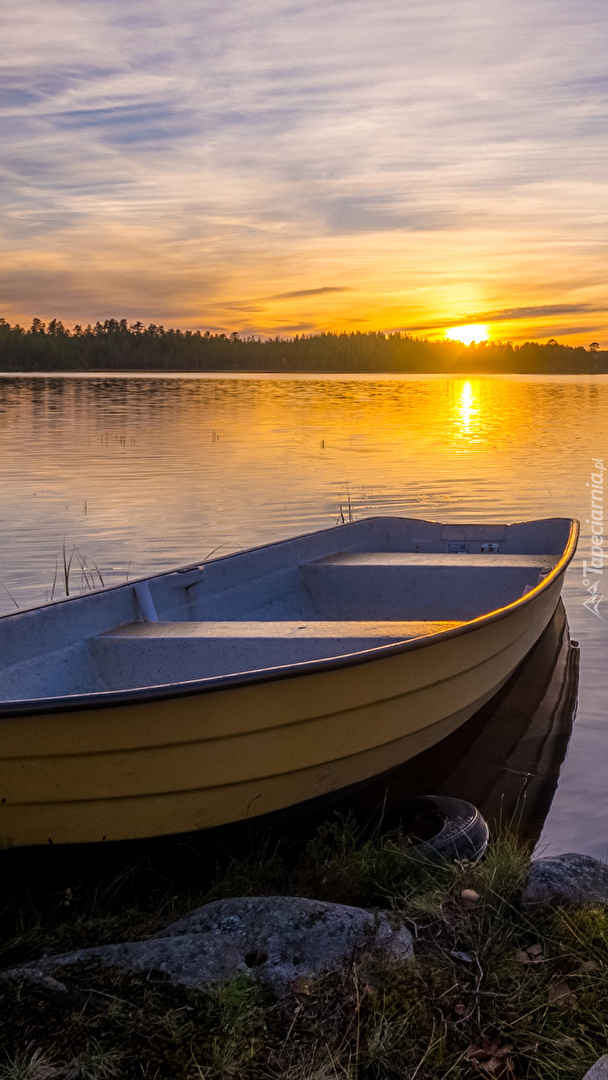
x=470 y=899
x=560 y=993
x=276 y=939
x=38 y=976
x=599 y=1071
x=565 y=879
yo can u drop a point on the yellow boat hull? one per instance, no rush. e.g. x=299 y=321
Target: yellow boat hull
x=218 y=755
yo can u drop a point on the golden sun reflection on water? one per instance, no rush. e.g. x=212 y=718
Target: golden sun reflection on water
x=466 y=411
x=486 y=414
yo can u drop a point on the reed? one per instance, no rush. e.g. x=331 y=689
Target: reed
x=346 y=512
x=90 y=574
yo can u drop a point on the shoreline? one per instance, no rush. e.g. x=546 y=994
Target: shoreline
x=496 y=986
x=294 y=373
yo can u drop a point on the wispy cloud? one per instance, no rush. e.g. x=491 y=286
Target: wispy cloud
x=540 y=311
x=310 y=292
x=262 y=302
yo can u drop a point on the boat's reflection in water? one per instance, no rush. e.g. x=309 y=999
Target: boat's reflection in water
x=506 y=759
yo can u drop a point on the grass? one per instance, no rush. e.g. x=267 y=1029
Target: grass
x=493 y=991
x=73 y=574
x=90 y=576
x=346 y=511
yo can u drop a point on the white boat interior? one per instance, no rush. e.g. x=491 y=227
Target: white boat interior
x=333 y=593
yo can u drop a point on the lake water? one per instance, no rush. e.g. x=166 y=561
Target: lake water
x=141 y=473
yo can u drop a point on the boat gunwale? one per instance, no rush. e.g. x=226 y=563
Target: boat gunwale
x=27 y=707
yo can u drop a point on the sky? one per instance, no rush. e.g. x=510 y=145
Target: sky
x=281 y=167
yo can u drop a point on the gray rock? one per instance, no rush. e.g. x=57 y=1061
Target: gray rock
x=277 y=939
x=565 y=879
x=599 y=1071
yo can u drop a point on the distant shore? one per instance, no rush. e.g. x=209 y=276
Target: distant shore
x=116 y=346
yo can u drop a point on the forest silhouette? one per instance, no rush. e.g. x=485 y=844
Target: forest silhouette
x=115 y=345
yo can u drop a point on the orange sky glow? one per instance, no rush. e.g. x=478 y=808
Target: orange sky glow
x=298 y=168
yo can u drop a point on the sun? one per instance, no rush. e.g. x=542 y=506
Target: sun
x=467 y=334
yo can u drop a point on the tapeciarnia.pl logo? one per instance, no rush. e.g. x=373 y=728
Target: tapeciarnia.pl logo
x=593 y=571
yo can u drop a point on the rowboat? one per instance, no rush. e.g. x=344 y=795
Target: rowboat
x=232 y=688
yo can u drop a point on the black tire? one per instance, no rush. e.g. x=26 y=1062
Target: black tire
x=463 y=835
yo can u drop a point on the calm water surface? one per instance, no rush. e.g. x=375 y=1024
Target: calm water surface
x=140 y=473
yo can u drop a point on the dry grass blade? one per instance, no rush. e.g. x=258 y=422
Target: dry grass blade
x=67 y=565
x=29 y=1064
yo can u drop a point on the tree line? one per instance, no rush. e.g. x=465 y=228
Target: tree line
x=116 y=345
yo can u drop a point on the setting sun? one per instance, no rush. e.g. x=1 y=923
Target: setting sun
x=467 y=334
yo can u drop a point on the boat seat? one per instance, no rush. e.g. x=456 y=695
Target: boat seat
x=452 y=560
x=156 y=653
x=419 y=585
x=395 y=630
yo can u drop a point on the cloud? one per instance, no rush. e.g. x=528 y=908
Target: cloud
x=560 y=330
x=294 y=328
x=310 y=292
x=540 y=311
x=129 y=124
x=381 y=213
x=261 y=303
